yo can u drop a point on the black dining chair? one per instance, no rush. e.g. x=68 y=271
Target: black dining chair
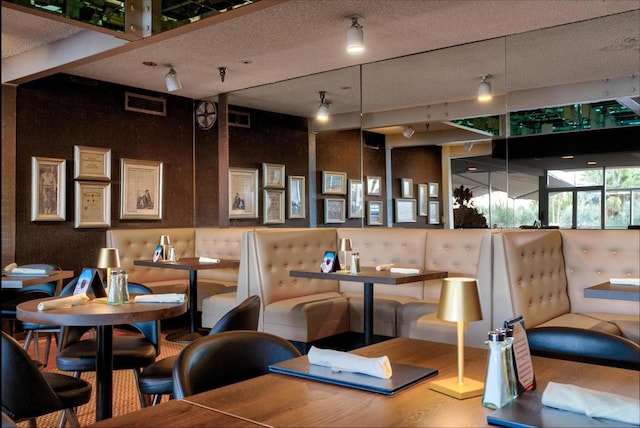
x=28 y=393
x=77 y=353
x=225 y=358
x=157 y=379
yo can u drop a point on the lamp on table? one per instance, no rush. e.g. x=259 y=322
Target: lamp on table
x=459 y=303
x=109 y=259
x=344 y=246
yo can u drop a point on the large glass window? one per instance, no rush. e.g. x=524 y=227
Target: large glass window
x=588 y=209
x=561 y=209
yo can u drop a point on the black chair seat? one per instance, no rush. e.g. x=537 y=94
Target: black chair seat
x=158 y=377
x=73 y=392
x=128 y=352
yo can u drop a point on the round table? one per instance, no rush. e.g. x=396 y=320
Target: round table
x=98 y=313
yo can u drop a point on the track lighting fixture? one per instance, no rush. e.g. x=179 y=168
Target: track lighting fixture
x=323 y=110
x=172 y=80
x=223 y=72
x=484 y=88
x=355 y=36
x=408 y=131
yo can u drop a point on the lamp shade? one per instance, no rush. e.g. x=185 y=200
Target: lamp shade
x=165 y=240
x=484 y=89
x=344 y=244
x=172 y=81
x=109 y=258
x=323 y=112
x=459 y=300
x=355 y=37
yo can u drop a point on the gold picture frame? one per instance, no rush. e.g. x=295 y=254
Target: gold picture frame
x=141 y=189
x=48 y=189
x=297 y=199
x=273 y=176
x=273 y=206
x=243 y=193
x=92 y=204
x=91 y=163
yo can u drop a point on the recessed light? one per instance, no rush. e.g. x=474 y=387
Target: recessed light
x=592 y=163
x=472 y=168
x=567 y=157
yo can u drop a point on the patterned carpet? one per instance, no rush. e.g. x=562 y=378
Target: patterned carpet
x=125 y=393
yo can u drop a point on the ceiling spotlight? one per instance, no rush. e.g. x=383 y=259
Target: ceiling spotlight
x=484 y=88
x=408 y=131
x=172 y=80
x=355 y=36
x=468 y=146
x=323 y=110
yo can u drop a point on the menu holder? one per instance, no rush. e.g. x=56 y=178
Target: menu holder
x=525 y=377
x=330 y=262
x=90 y=279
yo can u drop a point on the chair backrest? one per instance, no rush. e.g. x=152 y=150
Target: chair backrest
x=25 y=392
x=243 y=317
x=225 y=358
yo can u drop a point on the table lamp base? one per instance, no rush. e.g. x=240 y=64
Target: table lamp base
x=467 y=389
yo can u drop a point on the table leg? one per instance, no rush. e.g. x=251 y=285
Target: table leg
x=104 y=372
x=368 y=312
x=193 y=313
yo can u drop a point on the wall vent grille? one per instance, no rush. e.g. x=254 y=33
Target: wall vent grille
x=239 y=119
x=145 y=104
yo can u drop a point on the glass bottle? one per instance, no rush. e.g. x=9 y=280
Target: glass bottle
x=496 y=386
x=511 y=371
x=119 y=288
x=355 y=263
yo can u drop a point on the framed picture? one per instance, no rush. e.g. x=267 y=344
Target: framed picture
x=334 y=183
x=356 y=199
x=434 y=212
x=243 y=193
x=329 y=262
x=375 y=213
x=92 y=204
x=297 y=206
x=406 y=186
x=334 y=210
x=91 y=163
x=273 y=206
x=434 y=190
x=141 y=191
x=405 y=210
x=423 y=199
x=48 y=189
x=273 y=176
x=373 y=185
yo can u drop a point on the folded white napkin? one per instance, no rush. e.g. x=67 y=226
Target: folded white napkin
x=404 y=270
x=385 y=266
x=622 y=281
x=28 y=271
x=343 y=361
x=208 y=260
x=596 y=404
x=64 y=302
x=160 y=298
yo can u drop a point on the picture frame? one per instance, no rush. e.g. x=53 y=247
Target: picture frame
x=375 y=213
x=91 y=163
x=243 y=193
x=330 y=262
x=406 y=187
x=273 y=176
x=434 y=190
x=92 y=204
x=356 y=199
x=334 y=210
x=90 y=281
x=434 y=212
x=423 y=199
x=334 y=183
x=297 y=205
x=141 y=189
x=48 y=189
x=374 y=185
x=273 y=206
x=405 y=210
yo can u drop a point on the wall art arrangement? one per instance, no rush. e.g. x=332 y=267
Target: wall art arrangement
x=297 y=207
x=92 y=195
x=48 y=189
x=243 y=193
x=141 y=192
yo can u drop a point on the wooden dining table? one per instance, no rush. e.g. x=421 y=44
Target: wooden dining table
x=103 y=316
x=21 y=281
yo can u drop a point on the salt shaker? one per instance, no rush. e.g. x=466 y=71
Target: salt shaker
x=355 y=263
x=496 y=386
x=511 y=371
x=119 y=288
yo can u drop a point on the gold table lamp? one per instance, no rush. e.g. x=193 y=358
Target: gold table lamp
x=344 y=246
x=459 y=303
x=108 y=259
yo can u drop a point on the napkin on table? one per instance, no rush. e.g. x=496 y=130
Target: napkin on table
x=622 y=281
x=596 y=404
x=404 y=270
x=385 y=266
x=346 y=362
x=28 y=271
x=160 y=298
x=208 y=260
x=64 y=302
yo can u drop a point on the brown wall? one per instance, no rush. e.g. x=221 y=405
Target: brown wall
x=8 y=174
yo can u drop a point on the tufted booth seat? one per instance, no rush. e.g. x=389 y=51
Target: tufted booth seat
x=214 y=242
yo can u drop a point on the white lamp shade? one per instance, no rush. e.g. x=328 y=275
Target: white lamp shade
x=323 y=112
x=172 y=81
x=484 y=91
x=355 y=39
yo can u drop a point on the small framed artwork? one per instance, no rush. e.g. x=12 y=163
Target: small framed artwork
x=243 y=193
x=48 y=189
x=406 y=185
x=375 y=213
x=434 y=190
x=91 y=163
x=373 y=185
x=329 y=262
x=423 y=199
x=273 y=206
x=356 y=199
x=141 y=192
x=405 y=210
x=297 y=207
x=334 y=183
x=273 y=176
x=434 y=212
x=92 y=204
x=334 y=210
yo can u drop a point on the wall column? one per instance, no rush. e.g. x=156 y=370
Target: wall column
x=223 y=160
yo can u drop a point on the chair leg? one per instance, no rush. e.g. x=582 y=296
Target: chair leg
x=72 y=417
x=144 y=398
x=47 y=348
x=31 y=423
x=156 y=399
x=32 y=336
